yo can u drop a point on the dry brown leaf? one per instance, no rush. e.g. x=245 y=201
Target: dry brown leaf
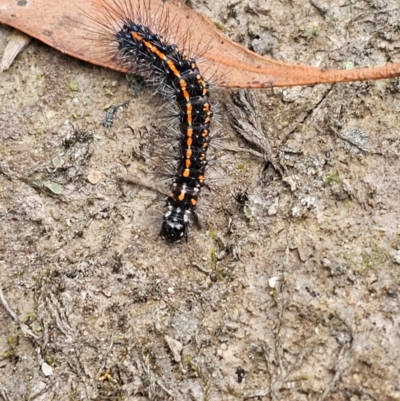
x=63 y=24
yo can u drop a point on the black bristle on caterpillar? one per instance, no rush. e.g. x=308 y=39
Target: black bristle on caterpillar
x=149 y=54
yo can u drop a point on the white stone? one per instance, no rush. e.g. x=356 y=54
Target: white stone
x=47 y=369
x=272 y=282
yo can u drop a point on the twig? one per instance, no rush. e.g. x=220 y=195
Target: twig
x=4 y=394
x=24 y=328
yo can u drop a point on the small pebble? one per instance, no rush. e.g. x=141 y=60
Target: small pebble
x=326 y=262
x=272 y=282
x=94 y=176
x=175 y=347
x=47 y=369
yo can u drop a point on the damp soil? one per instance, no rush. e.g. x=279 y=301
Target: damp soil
x=289 y=290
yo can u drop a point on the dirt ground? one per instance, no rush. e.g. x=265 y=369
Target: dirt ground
x=289 y=291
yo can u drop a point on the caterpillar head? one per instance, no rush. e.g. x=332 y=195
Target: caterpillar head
x=175 y=225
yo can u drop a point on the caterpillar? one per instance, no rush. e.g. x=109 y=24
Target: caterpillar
x=146 y=51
